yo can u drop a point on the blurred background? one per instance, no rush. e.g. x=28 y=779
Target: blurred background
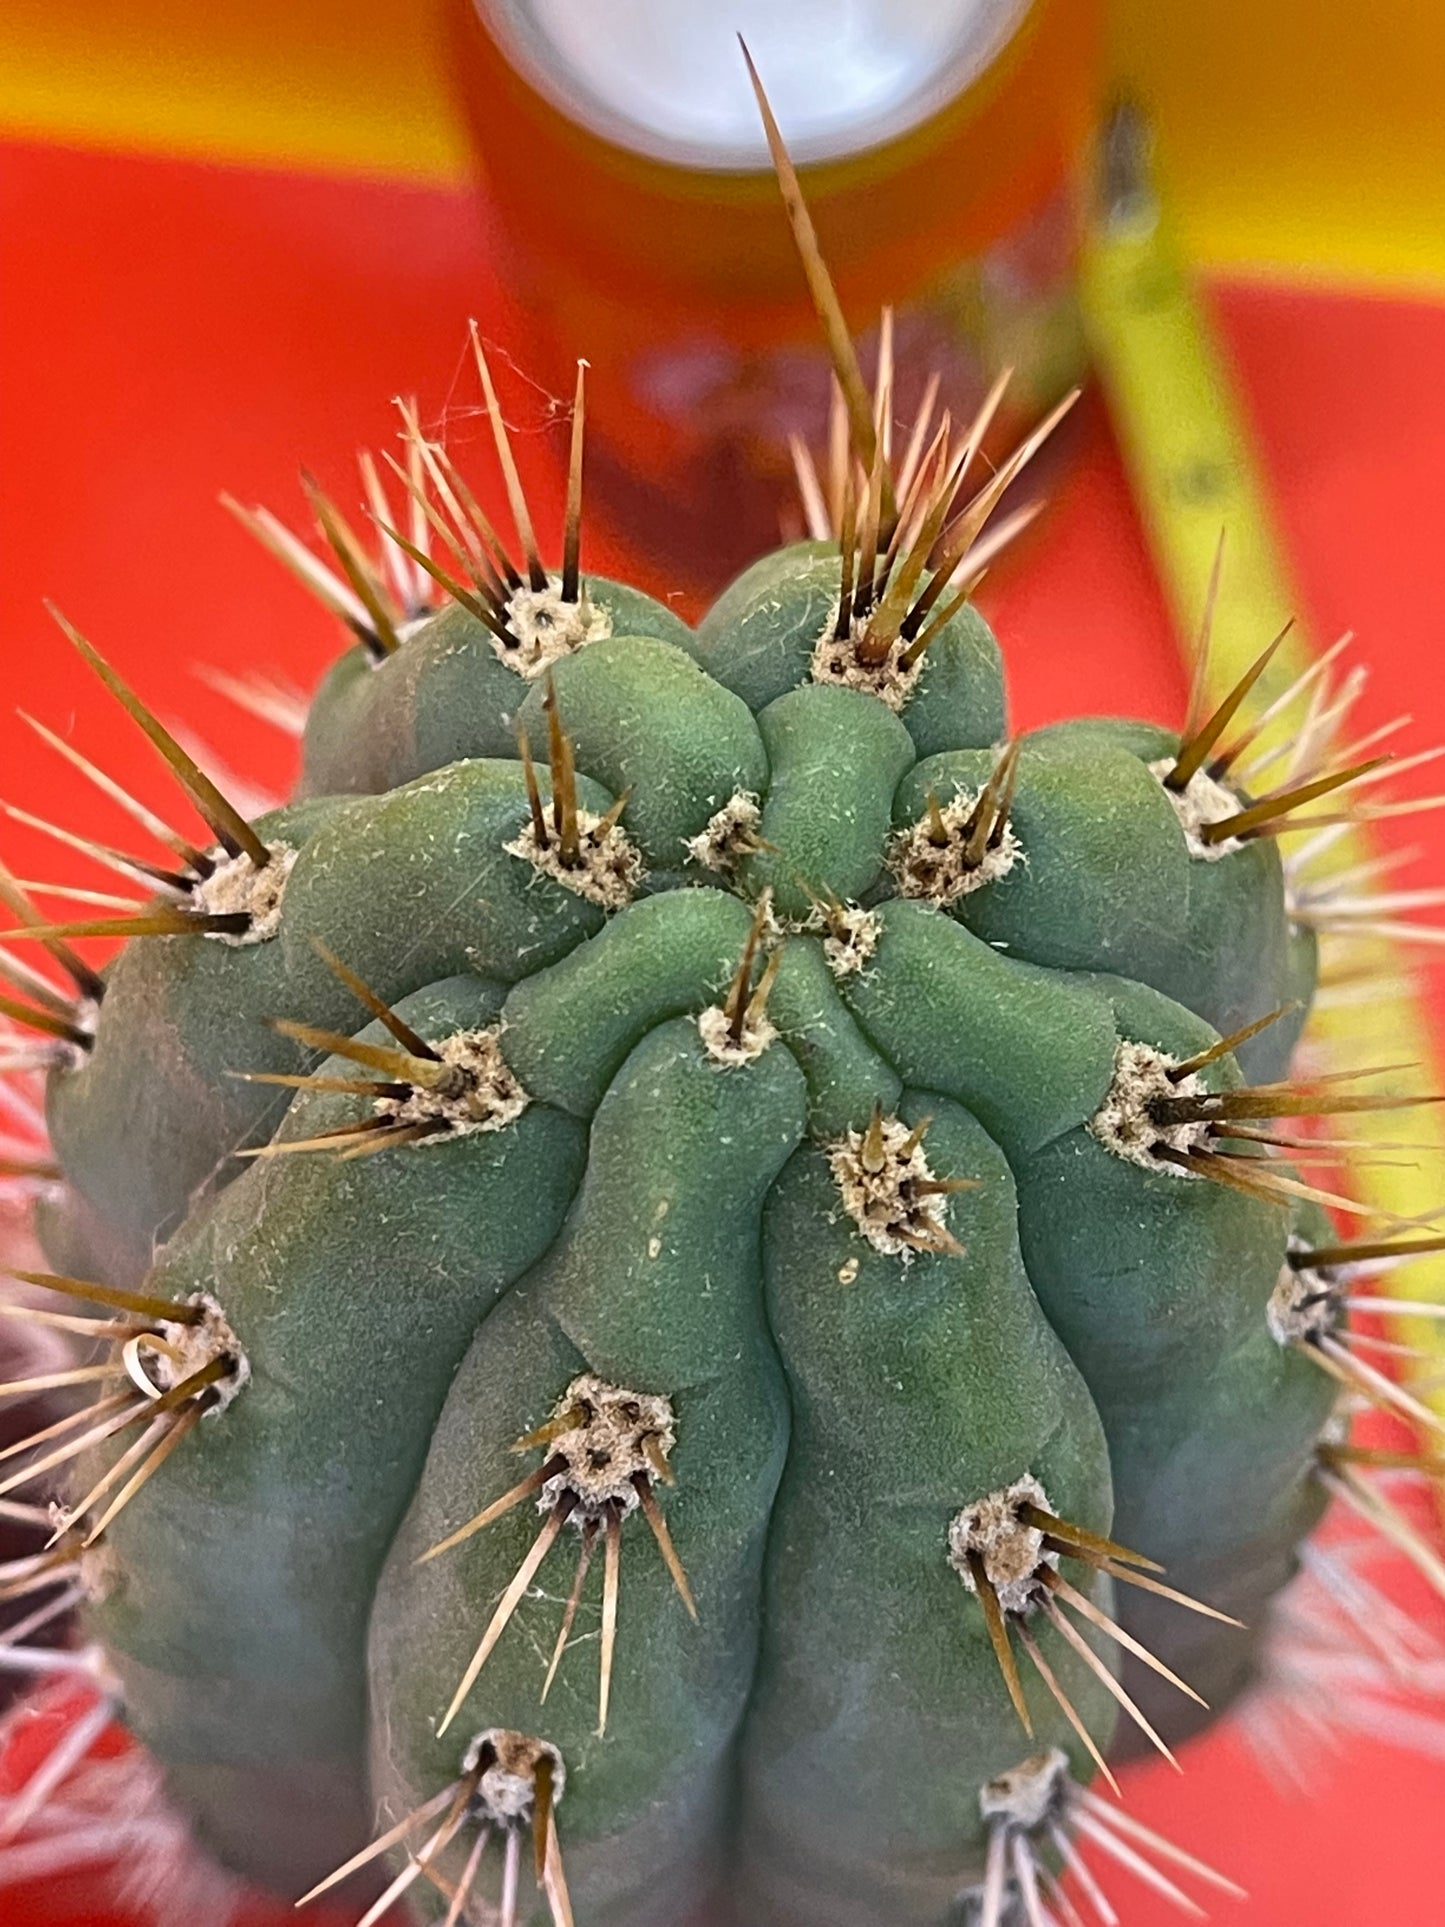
x=231 y=233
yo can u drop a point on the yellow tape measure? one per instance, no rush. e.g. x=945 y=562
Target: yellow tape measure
x=1187 y=449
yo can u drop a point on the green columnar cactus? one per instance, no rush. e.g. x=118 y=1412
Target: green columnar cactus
x=685 y=1239
x=685 y=1236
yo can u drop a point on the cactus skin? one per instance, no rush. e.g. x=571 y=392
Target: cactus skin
x=670 y=1214
x=374 y=725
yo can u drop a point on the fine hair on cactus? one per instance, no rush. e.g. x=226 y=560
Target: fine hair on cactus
x=701 y=1295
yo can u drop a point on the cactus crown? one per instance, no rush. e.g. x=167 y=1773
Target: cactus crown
x=713 y=1090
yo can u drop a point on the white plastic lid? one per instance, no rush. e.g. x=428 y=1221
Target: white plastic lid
x=666 y=77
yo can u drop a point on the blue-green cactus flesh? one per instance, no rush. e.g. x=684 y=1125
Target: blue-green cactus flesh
x=698 y=1297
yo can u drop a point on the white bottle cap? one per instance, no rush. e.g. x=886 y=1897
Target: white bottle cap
x=666 y=77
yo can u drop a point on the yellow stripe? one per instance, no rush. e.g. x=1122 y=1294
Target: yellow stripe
x=347 y=87
x=1303 y=140
x=1188 y=453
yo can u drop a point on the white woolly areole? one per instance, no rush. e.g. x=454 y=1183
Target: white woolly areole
x=851 y=940
x=835 y=660
x=715 y=1028
x=619 y=1436
x=1305 y=1305
x=237 y=888
x=413 y=626
x=1013 y=1553
x=941 y=872
x=59 y=1053
x=507 y=1790
x=731 y=833
x=483 y=1093
x=772 y=928
x=1122 y=1124
x=877 y=1172
x=547 y=628
x=1200 y=802
x=1028 y=1794
x=189 y=1348
x=607 y=872
x=98 y=1570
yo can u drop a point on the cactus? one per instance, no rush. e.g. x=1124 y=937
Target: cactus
x=693 y=1281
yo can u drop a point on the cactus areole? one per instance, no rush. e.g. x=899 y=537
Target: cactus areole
x=696 y=1288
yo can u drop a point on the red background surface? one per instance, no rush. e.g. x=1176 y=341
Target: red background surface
x=174 y=329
